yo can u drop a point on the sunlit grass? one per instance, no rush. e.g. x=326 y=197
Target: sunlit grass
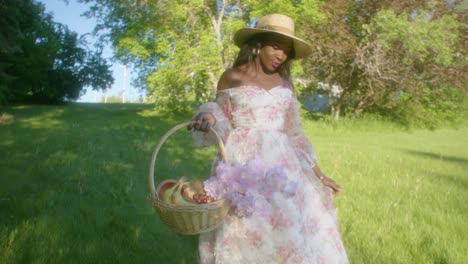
x=405 y=192
x=73 y=186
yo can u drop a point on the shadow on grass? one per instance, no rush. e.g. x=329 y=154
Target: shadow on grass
x=74 y=184
x=441 y=157
x=315 y=116
x=457 y=180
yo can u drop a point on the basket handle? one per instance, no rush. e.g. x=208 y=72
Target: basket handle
x=161 y=142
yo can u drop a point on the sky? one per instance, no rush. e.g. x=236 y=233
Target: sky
x=71 y=15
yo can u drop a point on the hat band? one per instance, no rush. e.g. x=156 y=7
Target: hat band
x=277 y=28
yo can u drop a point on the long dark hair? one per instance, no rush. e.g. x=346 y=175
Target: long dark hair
x=246 y=56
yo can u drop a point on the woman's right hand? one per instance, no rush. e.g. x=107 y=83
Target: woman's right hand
x=203 y=121
x=331 y=184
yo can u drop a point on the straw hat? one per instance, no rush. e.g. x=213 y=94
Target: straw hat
x=275 y=23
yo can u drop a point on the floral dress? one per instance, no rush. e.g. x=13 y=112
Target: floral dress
x=281 y=213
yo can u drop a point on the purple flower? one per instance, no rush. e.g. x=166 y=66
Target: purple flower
x=249 y=187
x=214 y=188
x=275 y=179
x=289 y=189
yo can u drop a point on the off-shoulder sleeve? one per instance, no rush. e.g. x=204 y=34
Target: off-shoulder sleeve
x=295 y=131
x=221 y=110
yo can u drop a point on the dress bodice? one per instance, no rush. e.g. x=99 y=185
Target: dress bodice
x=255 y=107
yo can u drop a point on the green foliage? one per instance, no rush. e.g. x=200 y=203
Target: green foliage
x=422 y=48
x=433 y=108
x=302 y=12
x=372 y=50
x=43 y=61
x=377 y=50
x=419 y=37
x=114 y=100
x=181 y=47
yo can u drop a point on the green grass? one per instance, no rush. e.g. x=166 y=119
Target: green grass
x=73 y=186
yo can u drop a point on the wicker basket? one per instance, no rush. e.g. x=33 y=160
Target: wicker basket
x=186 y=219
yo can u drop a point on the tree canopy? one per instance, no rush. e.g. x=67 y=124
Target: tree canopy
x=181 y=47
x=386 y=56
x=42 y=61
x=392 y=57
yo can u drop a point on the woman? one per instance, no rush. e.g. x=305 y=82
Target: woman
x=283 y=209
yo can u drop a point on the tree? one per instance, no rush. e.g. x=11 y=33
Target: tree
x=11 y=34
x=43 y=61
x=377 y=50
x=181 y=47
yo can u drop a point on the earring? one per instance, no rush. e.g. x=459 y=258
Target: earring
x=255 y=51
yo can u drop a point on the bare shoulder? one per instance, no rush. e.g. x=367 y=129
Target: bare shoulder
x=230 y=78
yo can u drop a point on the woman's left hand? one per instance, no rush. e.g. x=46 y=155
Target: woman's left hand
x=331 y=184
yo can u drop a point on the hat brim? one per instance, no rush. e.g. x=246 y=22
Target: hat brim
x=301 y=48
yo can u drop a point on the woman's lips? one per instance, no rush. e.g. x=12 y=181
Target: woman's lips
x=275 y=65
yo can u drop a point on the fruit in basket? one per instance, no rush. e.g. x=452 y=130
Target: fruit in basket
x=194 y=192
x=173 y=195
x=203 y=198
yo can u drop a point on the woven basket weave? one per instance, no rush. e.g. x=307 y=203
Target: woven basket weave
x=186 y=219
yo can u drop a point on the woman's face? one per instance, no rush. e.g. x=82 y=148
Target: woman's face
x=274 y=51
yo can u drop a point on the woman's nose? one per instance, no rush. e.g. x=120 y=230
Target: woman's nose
x=281 y=55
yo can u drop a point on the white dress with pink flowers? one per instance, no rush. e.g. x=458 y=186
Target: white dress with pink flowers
x=281 y=212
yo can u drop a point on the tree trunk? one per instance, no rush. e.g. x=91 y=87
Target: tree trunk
x=217 y=21
x=213 y=81
x=335 y=106
x=360 y=107
x=336 y=112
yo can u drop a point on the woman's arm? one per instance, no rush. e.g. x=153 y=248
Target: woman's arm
x=303 y=147
x=213 y=114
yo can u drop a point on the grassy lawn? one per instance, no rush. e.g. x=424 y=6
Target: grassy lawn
x=73 y=186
